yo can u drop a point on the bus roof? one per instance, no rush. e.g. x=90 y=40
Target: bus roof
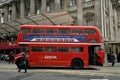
x=56 y=26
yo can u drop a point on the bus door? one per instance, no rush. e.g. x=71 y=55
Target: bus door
x=93 y=50
x=92 y=55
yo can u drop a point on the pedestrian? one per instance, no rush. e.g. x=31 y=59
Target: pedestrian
x=0 y=56
x=113 y=58
x=22 y=63
x=10 y=57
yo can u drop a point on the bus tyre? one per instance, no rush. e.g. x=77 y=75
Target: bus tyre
x=77 y=64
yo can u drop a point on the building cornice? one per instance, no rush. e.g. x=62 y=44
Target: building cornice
x=6 y=2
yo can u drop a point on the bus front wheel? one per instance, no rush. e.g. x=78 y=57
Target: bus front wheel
x=77 y=64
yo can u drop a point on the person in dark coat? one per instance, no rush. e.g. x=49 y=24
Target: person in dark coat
x=22 y=63
x=113 y=58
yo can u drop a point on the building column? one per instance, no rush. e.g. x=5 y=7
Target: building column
x=52 y=6
x=79 y=12
x=13 y=10
x=6 y=13
x=43 y=6
x=32 y=7
x=99 y=13
x=0 y=16
x=22 y=8
x=65 y=4
x=57 y=5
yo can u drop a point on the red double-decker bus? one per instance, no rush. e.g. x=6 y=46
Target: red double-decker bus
x=70 y=46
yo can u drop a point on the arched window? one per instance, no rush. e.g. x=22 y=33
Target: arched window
x=90 y=18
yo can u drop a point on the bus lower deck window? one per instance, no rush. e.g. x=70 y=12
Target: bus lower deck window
x=63 y=49
x=50 y=49
x=77 y=49
x=37 y=49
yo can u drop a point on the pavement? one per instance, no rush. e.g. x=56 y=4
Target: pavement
x=9 y=66
x=107 y=72
x=106 y=64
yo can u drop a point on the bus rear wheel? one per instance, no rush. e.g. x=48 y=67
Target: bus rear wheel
x=77 y=64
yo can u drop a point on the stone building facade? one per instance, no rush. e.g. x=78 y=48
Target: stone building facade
x=104 y=14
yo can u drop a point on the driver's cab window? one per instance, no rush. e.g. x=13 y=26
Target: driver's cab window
x=25 y=49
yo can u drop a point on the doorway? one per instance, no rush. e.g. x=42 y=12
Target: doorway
x=92 y=54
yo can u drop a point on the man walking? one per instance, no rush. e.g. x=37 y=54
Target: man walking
x=22 y=63
x=113 y=58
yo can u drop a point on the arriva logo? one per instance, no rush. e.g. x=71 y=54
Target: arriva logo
x=50 y=57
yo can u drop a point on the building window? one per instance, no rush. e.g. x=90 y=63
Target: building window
x=73 y=2
x=87 y=0
x=90 y=18
x=61 y=4
x=27 y=7
x=9 y=16
x=37 y=6
x=48 y=6
x=90 y=22
x=2 y=17
x=18 y=9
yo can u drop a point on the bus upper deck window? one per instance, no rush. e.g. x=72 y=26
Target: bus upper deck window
x=50 y=31
x=89 y=31
x=39 y=31
x=75 y=31
x=63 y=31
x=25 y=31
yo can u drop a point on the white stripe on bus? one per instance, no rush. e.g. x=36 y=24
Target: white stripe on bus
x=58 y=43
